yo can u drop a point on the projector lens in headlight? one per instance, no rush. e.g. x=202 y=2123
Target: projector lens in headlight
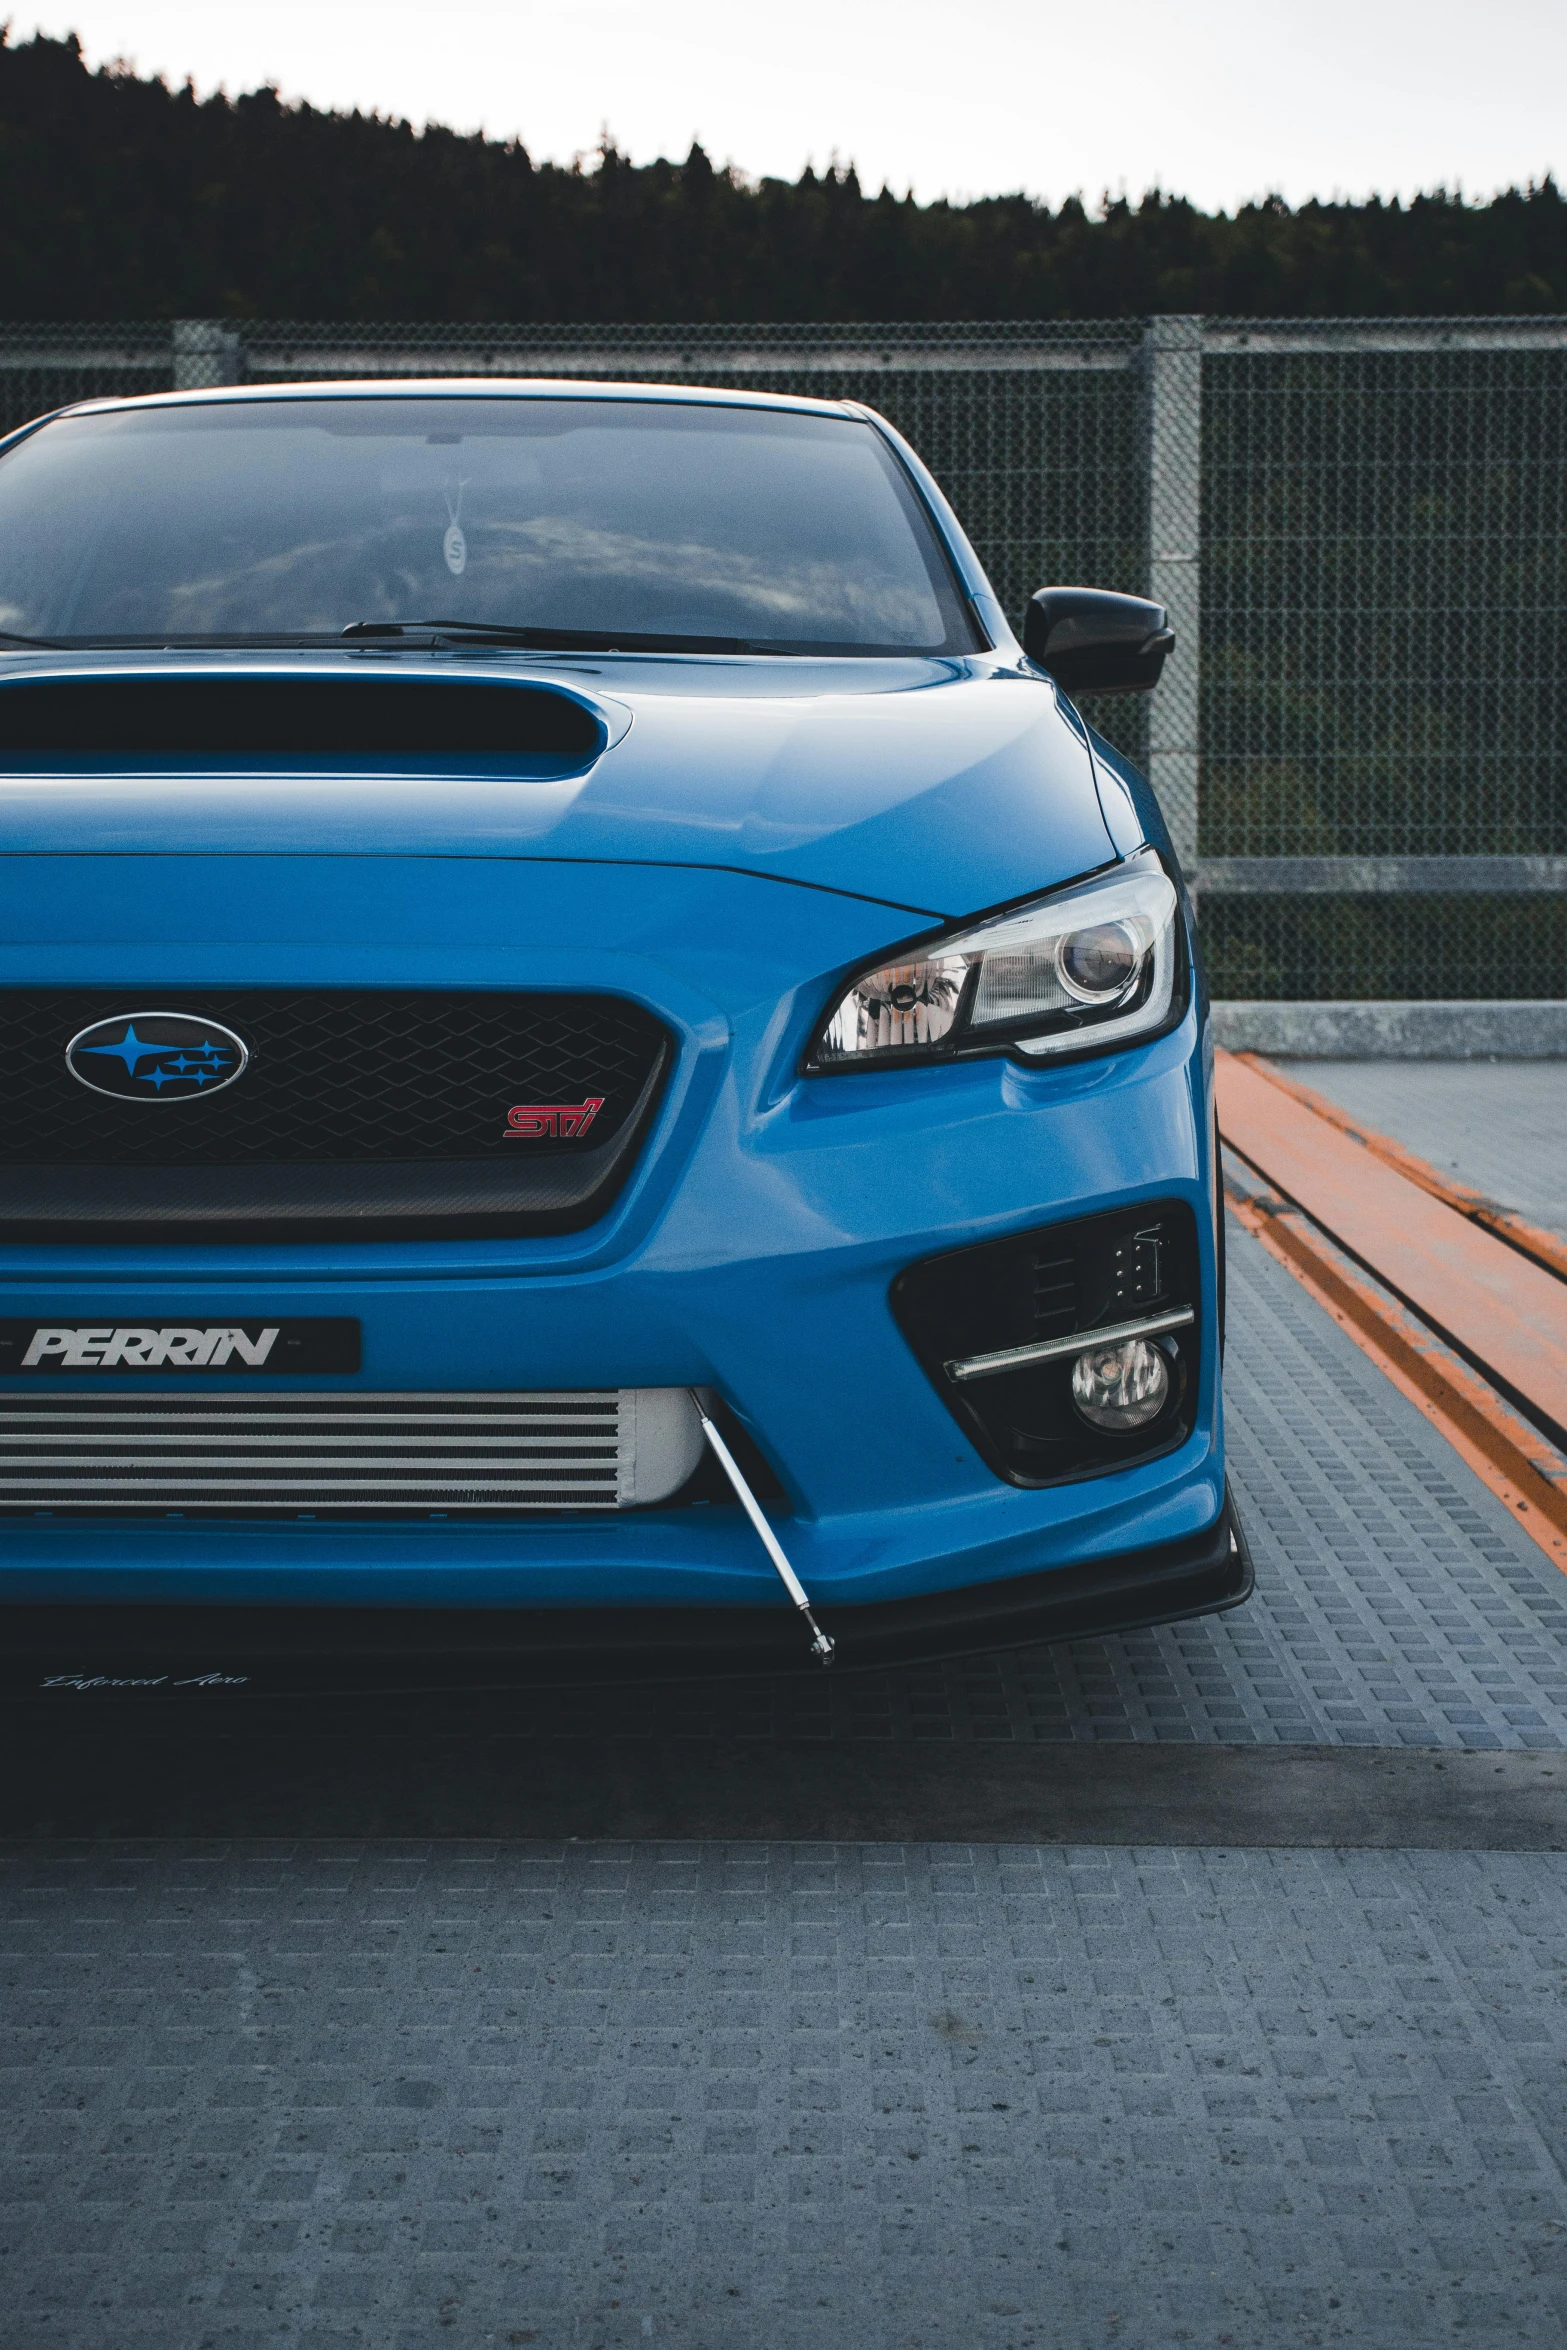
x=1123 y=1387
x=1095 y=966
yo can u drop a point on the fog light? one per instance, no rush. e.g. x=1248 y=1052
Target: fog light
x=1121 y=1387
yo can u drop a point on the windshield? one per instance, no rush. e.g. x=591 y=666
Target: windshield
x=777 y=530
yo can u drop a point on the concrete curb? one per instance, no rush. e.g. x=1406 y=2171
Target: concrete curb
x=1450 y=1031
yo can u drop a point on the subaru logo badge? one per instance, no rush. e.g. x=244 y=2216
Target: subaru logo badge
x=156 y=1057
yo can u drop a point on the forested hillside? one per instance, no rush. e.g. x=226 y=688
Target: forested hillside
x=123 y=198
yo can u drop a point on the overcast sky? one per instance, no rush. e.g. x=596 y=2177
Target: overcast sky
x=1216 y=99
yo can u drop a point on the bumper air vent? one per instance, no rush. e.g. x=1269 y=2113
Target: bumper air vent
x=1041 y=1288
x=366 y=1113
x=322 y=718
x=344 y=1455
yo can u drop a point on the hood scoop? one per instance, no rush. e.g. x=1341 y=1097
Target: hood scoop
x=332 y=718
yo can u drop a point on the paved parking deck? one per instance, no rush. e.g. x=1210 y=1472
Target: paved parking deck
x=812 y=2098
x=910 y=2096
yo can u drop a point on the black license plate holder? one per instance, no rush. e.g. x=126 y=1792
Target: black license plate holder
x=259 y=1346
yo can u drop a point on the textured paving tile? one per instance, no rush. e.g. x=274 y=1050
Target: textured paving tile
x=888 y=2095
x=1497 y=1125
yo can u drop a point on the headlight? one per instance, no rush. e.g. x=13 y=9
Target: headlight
x=1087 y=968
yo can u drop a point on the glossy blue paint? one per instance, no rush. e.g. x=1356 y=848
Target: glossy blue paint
x=751 y=832
x=944 y=786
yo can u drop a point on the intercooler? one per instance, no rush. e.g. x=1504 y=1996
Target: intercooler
x=347 y=1454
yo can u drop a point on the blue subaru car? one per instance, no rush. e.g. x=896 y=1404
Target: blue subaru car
x=599 y=1070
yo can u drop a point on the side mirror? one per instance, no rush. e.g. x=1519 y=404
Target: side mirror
x=1094 y=642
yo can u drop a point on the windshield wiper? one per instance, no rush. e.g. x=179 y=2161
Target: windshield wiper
x=413 y=633
x=542 y=640
x=166 y=640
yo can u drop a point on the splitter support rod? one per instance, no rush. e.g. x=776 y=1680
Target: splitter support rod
x=822 y=1647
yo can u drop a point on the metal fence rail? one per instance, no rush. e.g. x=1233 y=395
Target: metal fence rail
x=1359 y=527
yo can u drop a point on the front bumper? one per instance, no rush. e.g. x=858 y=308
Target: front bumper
x=141 y=1653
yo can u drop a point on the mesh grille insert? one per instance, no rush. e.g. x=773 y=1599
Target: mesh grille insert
x=360 y=1076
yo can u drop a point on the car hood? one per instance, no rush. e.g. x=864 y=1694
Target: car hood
x=943 y=787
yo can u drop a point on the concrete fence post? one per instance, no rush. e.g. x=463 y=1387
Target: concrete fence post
x=1172 y=410
x=206 y=353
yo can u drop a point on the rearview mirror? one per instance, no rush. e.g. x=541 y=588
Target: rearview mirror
x=1095 y=642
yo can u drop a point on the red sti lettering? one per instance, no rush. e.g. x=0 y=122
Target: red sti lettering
x=535 y=1122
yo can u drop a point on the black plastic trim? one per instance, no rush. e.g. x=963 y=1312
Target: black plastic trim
x=426 y=1649
x=150 y=714
x=974 y=1404
x=441 y=1199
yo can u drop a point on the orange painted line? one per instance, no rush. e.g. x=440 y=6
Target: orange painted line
x=1505 y=1314
x=1547 y=1248
x=1508 y=1455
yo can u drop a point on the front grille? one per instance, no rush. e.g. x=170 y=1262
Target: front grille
x=363 y=1077
x=343 y=1455
x=364 y=1114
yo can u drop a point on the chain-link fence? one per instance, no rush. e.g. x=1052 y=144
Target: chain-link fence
x=1359 y=528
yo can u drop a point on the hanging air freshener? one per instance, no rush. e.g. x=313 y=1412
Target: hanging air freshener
x=455 y=545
